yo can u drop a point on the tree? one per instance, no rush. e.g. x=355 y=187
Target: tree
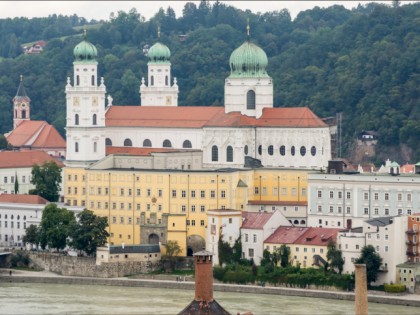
x=89 y=232
x=284 y=253
x=16 y=184
x=172 y=250
x=47 y=179
x=55 y=225
x=225 y=251
x=373 y=262
x=31 y=235
x=4 y=145
x=334 y=257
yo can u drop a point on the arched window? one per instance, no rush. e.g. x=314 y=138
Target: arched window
x=302 y=151
x=292 y=150
x=313 y=150
x=128 y=143
x=167 y=144
x=76 y=147
x=296 y=222
x=15 y=113
x=95 y=147
x=23 y=114
x=229 y=154
x=302 y=222
x=152 y=81
x=94 y=119
x=246 y=150
x=187 y=144
x=260 y=149
x=76 y=119
x=214 y=153
x=93 y=80
x=250 y=99
x=166 y=80
x=77 y=80
x=147 y=143
x=270 y=150
x=283 y=150
x=108 y=142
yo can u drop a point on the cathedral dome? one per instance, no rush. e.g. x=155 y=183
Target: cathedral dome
x=248 y=60
x=159 y=53
x=85 y=51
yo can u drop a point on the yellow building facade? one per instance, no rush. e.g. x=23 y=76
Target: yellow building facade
x=149 y=206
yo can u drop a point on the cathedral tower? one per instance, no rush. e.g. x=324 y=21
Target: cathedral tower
x=248 y=89
x=85 y=99
x=21 y=105
x=159 y=91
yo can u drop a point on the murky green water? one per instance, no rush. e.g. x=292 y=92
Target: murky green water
x=29 y=298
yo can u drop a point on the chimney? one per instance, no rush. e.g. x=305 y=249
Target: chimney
x=203 y=276
x=360 y=294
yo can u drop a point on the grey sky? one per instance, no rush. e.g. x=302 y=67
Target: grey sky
x=102 y=9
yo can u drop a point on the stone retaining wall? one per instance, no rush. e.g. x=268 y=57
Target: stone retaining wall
x=349 y=296
x=86 y=266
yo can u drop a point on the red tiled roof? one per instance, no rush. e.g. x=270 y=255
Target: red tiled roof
x=407 y=168
x=208 y=116
x=278 y=203
x=137 y=151
x=318 y=236
x=36 y=134
x=15 y=159
x=28 y=199
x=255 y=220
x=286 y=235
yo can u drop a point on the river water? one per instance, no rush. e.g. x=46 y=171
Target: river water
x=31 y=298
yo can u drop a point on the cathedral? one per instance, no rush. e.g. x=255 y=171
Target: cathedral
x=247 y=128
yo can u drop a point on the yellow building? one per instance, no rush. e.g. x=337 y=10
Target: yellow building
x=146 y=205
x=308 y=245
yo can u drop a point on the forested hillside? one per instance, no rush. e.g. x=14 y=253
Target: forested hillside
x=362 y=62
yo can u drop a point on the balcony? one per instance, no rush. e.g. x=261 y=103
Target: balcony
x=411 y=231
x=411 y=242
x=411 y=252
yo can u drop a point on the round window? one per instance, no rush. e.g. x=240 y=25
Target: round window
x=293 y=150
x=302 y=150
x=313 y=150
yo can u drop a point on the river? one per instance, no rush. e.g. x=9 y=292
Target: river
x=31 y=298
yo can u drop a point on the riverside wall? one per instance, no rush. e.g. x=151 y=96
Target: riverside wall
x=86 y=266
x=349 y=296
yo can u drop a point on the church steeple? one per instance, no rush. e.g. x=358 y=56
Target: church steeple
x=21 y=105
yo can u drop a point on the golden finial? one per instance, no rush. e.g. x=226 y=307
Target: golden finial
x=21 y=78
x=247 y=27
x=84 y=32
x=158 y=31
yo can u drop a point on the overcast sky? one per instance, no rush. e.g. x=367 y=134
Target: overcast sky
x=101 y=9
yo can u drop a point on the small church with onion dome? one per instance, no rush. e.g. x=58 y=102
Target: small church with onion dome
x=247 y=128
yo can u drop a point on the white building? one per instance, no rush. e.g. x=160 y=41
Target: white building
x=295 y=211
x=226 y=223
x=256 y=228
x=16 y=165
x=386 y=235
x=343 y=200
x=247 y=126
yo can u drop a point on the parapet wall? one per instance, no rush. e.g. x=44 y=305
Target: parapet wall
x=86 y=266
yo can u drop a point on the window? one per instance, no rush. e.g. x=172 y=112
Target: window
x=399 y=197
x=378 y=237
x=202 y=222
x=76 y=119
x=183 y=208
x=246 y=237
x=187 y=144
x=250 y=99
x=386 y=196
x=386 y=211
x=366 y=211
x=128 y=143
x=173 y=193
x=193 y=208
x=152 y=80
x=386 y=248
x=223 y=194
x=319 y=194
x=270 y=150
x=260 y=149
x=365 y=196
x=160 y=193
x=256 y=190
x=183 y=193
x=92 y=80
x=166 y=80
x=77 y=80
x=149 y=192
x=192 y=222
x=376 y=211
x=254 y=237
x=229 y=154
x=203 y=194
x=319 y=208
x=246 y=150
x=376 y=196
x=283 y=150
x=292 y=150
x=192 y=193
x=202 y=208
x=167 y=144
x=251 y=252
x=400 y=211
x=331 y=194
x=340 y=195
x=408 y=197
x=147 y=143
x=214 y=153
x=76 y=147
x=138 y=192
x=94 y=120
x=331 y=209
x=302 y=151
x=348 y=211
x=313 y=151
x=212 y=194
x=348 y=195
x=121 y=220
x=409 y=211
x=386 y=237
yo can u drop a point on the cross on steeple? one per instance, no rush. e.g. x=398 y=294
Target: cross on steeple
x=21 y=78
x=158 y=32
x=84 y=32
x=247 y=28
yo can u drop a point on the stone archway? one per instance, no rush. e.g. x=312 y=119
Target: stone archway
x=195 y=243
x=153 y=238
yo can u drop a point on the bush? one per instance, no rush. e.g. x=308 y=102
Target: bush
x=394 y=288
x=19 y=259
x=219 y=273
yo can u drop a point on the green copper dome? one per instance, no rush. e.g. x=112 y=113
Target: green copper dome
x=159 y=53
x=85 y=51
x=248 y=60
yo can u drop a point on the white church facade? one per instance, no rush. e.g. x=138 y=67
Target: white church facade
x=247 y=127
